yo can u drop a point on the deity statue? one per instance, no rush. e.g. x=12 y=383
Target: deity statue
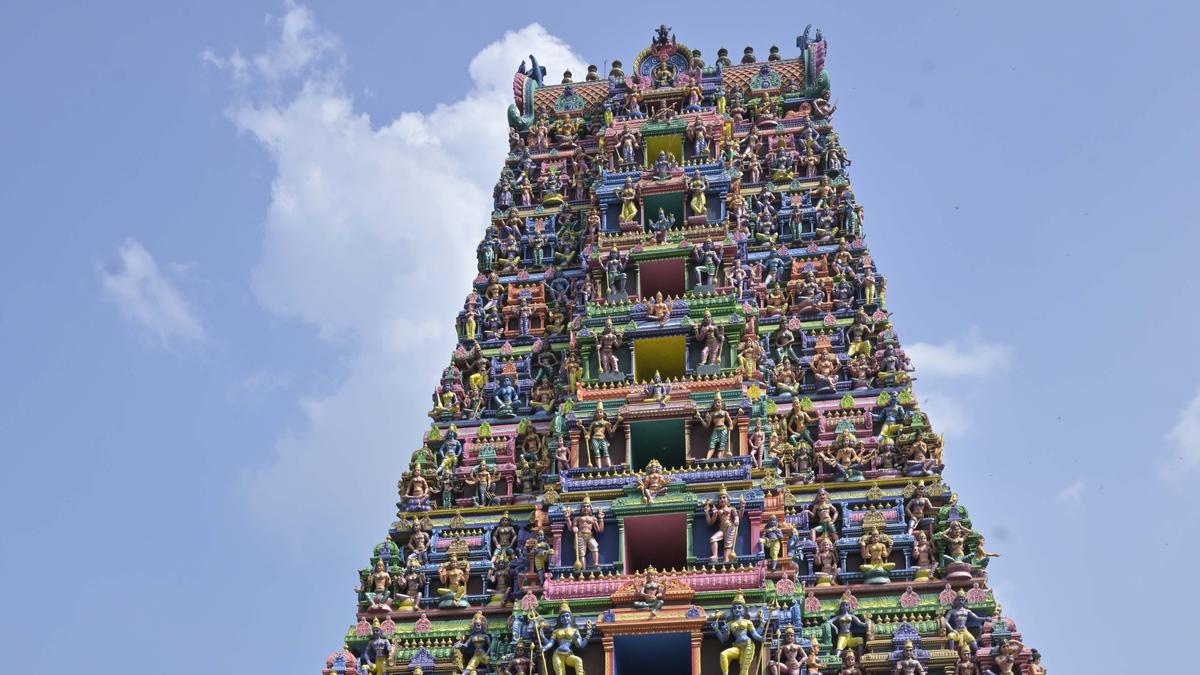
x=485 y=485
x=585 y=526
x=629 y=196
x=771 y=540
x=845 y=624
x=501 y=577
x=648 y=592
x=924 y=559
x=908 y=664
x=850 y=664
x=538 y=552
x=562 y=638
x=375 y=655
x=697 y=133
x=505 y=398
x=966 y=664
x=1006 y=652
x=712 y=337
x=520 y=663
x=504 y=536
x=826 y=564
x=378 y=586
x=875 y=549
x=653 y=482
x=720 y=421
x=739 y=629
x=708 y=261
x=789 y=656
x=415 y=491
x=824 y=513
x=607 y=343
x=661 y=225
x=749 y=351
x=453 y=573
x=775 y=302
x=726 y=518
x=957 y=621
x=826 y=369
x=414 y=585
x=697 y=188
x=659 y=309
x=920 y=511
x=474 y=646
x=597 y=432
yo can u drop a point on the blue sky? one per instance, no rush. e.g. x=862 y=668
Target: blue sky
x=233 y=228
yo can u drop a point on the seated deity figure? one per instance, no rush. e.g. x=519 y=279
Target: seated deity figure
x=658 y=309
x=653 y=483
x=826 y=369
x=505 y=398
x=875 y=549
x=453 y=574
x=908 y=664
x=648 y=592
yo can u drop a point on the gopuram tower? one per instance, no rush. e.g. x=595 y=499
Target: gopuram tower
x=677 y=434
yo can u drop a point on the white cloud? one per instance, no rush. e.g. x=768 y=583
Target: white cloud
x=370 y=236
x=951 y=374
x=969 y=358
x=148 y=298
x=1183 y=443
x=1072 y=493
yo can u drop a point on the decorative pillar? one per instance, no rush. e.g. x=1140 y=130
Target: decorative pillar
x=697 y=640
x=628 y=444
x=608 y=655
x=621 y=545
x=576 y=440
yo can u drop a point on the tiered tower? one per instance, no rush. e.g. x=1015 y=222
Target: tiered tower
x=677 y=434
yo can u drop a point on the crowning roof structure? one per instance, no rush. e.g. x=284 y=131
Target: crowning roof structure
x=678 y=433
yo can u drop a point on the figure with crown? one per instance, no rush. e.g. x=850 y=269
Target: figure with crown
x=585 y=526
x=726 y=518
x=563 y=637
x=473 y=648
x=739 y=629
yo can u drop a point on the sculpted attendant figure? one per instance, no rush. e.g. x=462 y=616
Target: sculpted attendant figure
x=727 y=519
x=709 y=334
x=699 y=201
x=629 y=195
x=789 y=655
x=377 y=651
x=474 y=646
x=719 y=420
x=649 y=592
x=585 y=526
x=739 y=629
x=597 y=432
x=607 y=343
x=562 y=638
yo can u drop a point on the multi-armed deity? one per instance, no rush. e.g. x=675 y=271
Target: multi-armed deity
x=679 y=404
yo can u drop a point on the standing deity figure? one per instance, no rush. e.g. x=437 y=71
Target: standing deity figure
x=749 y=351
x=562 y=638
x=607 y=343
x=712 y=337
x=739 y=629
x=966 y=664
x=708 y=261
x=629 y=197
x=648 y=592
x=375 y=654
x=844 y=624
x=614 y=271
x=789 y=656
x=472 y=649
x=585 y=526
x=597 y=432
x=697 y=187
x=726 y=518
x=698 y=134
x=537 y=552
x=720 y=422
x=920 y=511
x=628 y=144
x=771 y=540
